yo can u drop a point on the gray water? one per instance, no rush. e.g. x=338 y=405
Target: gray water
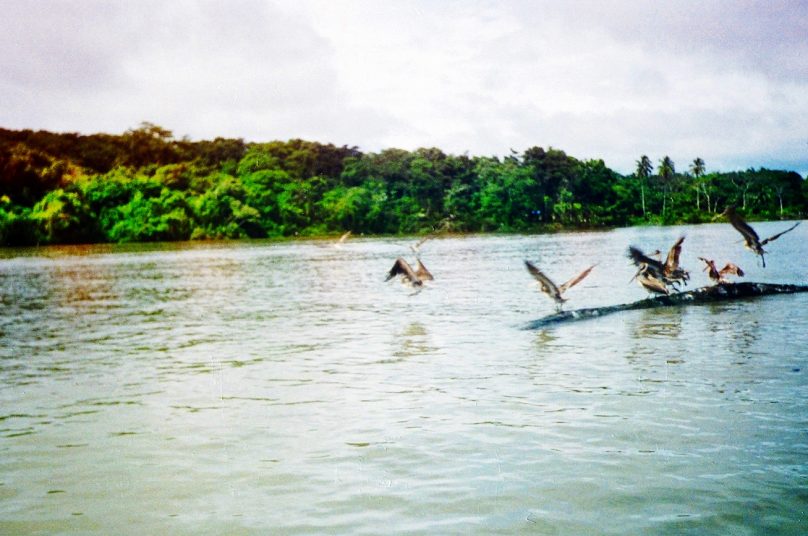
x=285 y=388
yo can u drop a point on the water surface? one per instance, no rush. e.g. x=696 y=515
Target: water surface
x=254 y=388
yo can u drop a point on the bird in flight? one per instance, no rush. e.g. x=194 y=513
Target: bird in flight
x=718 y=275
x=413 y=276
x=649 y=279
x=751 y=239
x=671 y=268
x=338 y=244
x=416 y=248
x=668 y=273
x=554 y=291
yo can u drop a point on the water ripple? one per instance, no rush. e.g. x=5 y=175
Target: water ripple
x=235 y=388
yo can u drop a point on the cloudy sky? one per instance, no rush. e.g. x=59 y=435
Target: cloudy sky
x=726 y=81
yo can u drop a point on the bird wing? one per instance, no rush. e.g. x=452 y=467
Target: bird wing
x=778 y=235
x=575 y=280
x=712 y=271
x=652 y=283
x=731 y=269
x=422 y=273
x=749 y=234
x=708 y=262
x=672 y=261
x=417 y=246
x=402 y=267
x=639 y=258
x=547 y=286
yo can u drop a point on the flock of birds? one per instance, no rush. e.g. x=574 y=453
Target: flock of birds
x=654 y=275
x=658 y=277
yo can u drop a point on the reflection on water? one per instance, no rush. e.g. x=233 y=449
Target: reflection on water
x=413 y=341
x=666 y=323
x=545 y=337
x=286 y=388
x=740 y=326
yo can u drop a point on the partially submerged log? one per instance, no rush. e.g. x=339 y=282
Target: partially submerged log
x=710 y=294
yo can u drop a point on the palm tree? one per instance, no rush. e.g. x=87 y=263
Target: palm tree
x=666 y=172
x=697 y=170
x=644 y=168
x=697 y=167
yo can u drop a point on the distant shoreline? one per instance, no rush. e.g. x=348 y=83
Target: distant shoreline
x=146 y=186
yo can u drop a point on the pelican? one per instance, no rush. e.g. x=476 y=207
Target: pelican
x=671 y=269
x=669 y=272
x=645 y=262
x=718 y=275
x=421 y=271
x=415 y=277
x=649 y=279
x=547 y=286
x=751 y=238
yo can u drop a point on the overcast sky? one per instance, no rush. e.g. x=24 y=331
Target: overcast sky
x=726 y=81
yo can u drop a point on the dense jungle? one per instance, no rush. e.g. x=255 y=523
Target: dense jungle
x=147 y=185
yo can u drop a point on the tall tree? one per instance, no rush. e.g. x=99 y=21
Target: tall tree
x=743 y=182
x=148 y=144
x=665 y=171
x=644 y=169
x=697 y=170
x=697 y=167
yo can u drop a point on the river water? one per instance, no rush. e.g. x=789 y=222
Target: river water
x=285 y=388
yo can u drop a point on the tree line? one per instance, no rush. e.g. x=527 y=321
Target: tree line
x=146 y=185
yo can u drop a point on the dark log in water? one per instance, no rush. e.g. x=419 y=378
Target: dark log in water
x=715 y=293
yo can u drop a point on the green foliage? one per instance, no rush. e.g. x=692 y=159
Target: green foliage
x=15 y=225
x=148 y=219
x=62 y=217
x=147 y=145
x=222 y=212
x=27 y=174
x=343 y=206
x=256 y=159
x=145 y=185
x=509 y=196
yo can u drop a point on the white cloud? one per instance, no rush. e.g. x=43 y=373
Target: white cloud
x=611 y=80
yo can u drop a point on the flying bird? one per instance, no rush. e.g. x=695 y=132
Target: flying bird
x=671 y=268
x=421 y=271
x=646 y=262
x=554 y=291
x=416 y=248
x=650 y=281
x=414 y=277
x=718 y=275
x=669 y=272
x=342 y=239
x=751 y=238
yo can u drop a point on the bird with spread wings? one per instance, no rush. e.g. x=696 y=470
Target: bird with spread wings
x=751 y=239
x=413 y=276
x=554 y=291
x=668 y=273
x=719 y=275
